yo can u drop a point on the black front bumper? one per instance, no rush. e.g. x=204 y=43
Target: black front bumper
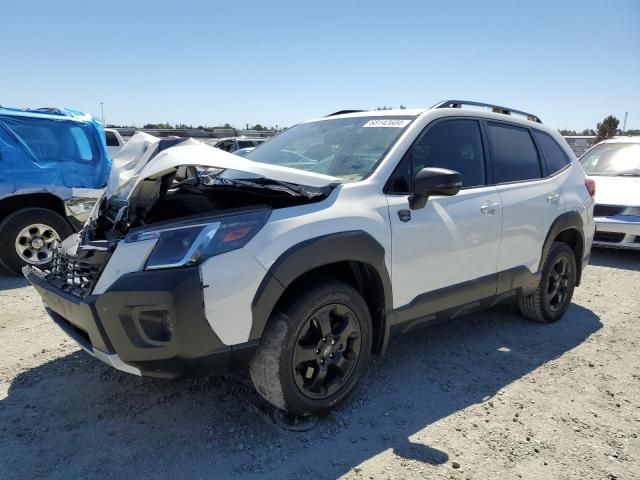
x=124 y=323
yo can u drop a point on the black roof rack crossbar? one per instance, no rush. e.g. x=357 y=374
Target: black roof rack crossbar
x=494 y=108
x=342 y=112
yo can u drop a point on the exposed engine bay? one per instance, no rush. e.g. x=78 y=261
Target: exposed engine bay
x=161 y=180
x=194 y=209
x=192 y=191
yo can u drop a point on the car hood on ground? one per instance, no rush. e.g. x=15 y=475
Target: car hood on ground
x=145 y=157
x=617 y=190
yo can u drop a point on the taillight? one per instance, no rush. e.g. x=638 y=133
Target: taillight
x=591 y=186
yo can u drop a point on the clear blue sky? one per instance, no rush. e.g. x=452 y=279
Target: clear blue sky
x=280 y=62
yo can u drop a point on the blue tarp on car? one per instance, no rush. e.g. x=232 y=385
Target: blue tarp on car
x=51 y=148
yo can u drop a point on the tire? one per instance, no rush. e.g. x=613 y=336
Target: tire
x=315 y=349
x=15 y=224
x=553 y=295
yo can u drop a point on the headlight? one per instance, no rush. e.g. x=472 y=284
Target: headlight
x=81 y=206
x=631 y=211
x=193 y=242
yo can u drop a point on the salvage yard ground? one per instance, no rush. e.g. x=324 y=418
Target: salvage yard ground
x=483 y=397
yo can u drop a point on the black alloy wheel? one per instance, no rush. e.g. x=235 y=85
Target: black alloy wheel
x=315 y=348
x=552 y=297
x=327 y=350
x=558 y=284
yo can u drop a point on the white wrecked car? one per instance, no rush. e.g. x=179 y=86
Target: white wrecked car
x=301 y=259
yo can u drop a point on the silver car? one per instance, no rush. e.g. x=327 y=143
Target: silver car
x=615 y=166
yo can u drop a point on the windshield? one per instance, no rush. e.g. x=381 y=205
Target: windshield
x=348 y=148
x=612 y=159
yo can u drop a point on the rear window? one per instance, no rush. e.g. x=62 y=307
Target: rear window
x=112 y=140
x=553 y=154
x=245 y=144
x=514 y=154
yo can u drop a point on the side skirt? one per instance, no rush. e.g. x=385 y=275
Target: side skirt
x=459 y=300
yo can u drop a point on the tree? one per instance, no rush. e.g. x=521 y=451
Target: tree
x=607 y=128
x=588 y=131
x=565 y=132
x=166 y=126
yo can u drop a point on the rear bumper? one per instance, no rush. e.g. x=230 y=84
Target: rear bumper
x=617 y=232
x=146 y=323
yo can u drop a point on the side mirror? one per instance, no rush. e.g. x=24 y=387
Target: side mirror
x=433 y=181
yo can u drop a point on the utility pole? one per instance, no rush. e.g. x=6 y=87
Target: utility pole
x=102 y=110
x=624 y=125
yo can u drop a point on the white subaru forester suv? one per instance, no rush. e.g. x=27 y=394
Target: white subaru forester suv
x=301 y=260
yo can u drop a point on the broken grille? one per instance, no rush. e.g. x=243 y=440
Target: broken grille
x=73 y=275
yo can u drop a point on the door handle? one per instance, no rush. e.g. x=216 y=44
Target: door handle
x=555 y=198
x=490 y=208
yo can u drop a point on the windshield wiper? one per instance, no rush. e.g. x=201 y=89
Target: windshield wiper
x=628 y=174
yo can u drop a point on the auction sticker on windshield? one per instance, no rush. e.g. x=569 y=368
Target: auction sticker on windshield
x=386 y=123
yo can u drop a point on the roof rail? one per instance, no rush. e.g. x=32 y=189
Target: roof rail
x=494 y=108
x=342 y=112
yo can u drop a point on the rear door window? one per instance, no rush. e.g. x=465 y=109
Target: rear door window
x=515 y=157
x=554 y=155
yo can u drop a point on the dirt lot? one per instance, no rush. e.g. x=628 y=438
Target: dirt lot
x=487 y=396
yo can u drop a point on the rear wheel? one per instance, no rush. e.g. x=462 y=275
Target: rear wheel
x=553 y=296
x=315 y=349
x=29 y=237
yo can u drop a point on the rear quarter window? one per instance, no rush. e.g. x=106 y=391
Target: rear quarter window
x=554 y=155
x=515 y=157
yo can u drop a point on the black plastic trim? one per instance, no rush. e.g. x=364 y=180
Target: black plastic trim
x=351 y=246
x=456 y=300
x=79 y=313
x=430 y=303
x=110 y=323
x=566 y=221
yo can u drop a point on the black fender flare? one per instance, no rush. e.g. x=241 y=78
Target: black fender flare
x=354 y=246
x=566 y=221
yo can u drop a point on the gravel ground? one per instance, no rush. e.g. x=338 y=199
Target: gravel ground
x=487 y=396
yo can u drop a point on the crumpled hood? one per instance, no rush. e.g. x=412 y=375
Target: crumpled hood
x=617 y=190
x=139 y=160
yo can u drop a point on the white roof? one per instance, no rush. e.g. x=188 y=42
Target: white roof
x=622 y=139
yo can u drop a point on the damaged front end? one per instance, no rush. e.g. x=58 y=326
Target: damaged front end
x=128 y=288
x=189 y=200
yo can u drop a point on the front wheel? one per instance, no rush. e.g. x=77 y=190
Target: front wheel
x=553 y=296
x=29 y=237
x=315 y=349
